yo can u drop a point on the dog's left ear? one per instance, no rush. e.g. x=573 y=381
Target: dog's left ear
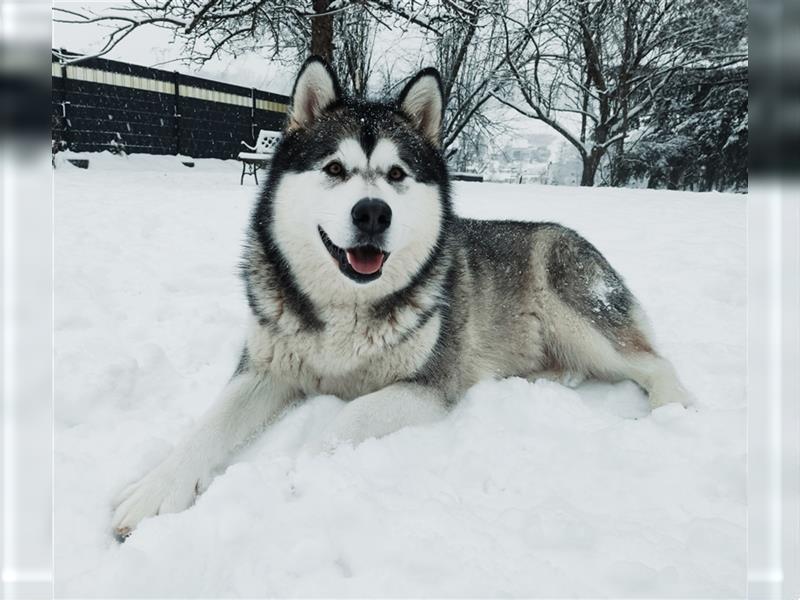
x=315 y=89
x=423 y=101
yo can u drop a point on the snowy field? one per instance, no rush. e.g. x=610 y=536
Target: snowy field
x=523 y=490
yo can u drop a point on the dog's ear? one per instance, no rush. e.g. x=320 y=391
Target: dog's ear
x=422 y=100
x=315 y=89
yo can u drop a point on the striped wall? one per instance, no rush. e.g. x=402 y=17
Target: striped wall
x=109 y=105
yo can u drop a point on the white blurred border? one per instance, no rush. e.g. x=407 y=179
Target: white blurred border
x=26 y=353
x=773 y=389
x=26 y=378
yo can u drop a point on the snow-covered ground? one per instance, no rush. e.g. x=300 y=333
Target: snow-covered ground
x=526 y=489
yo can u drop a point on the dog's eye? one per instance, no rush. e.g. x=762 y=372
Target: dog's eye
x=334 y=169
x=396 y=174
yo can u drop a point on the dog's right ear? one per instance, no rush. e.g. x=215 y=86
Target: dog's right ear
x=315 y=89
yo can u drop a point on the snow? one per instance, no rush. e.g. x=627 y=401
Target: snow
x=525 y=489
x=600 y=290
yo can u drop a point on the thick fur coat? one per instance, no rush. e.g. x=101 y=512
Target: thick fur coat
x=363 y=283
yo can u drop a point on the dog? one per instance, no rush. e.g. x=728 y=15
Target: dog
x=363 y=283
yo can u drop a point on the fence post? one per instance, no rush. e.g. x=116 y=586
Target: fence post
x=64 y=104
x=176 y=111
x=253 y=113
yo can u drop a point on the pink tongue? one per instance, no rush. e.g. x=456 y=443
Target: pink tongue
x=364 y=260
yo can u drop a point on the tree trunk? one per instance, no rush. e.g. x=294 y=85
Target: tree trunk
x=623 y=92
x=590 y=164
x=322 y=31
x=673 y=179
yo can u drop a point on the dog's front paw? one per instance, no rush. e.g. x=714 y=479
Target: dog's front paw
x=165 y=489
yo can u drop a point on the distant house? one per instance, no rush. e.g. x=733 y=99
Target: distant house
x=528 y=158
x=566 y=166
x=523 y=159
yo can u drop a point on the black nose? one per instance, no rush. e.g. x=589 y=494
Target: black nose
x=372 y=216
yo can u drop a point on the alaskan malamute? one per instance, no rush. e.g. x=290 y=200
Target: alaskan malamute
x=364 y=284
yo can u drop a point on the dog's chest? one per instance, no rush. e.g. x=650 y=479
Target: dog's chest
x=355 y=352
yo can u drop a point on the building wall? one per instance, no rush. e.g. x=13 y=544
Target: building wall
x=110 y=105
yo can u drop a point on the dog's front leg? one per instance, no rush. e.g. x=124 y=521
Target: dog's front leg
x=248 y=402
x=383 y=412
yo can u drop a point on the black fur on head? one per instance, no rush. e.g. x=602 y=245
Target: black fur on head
x=322 y=115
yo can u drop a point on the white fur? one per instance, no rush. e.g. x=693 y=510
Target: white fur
x=307 y=364
x=383 y=412
x=306 y=200
x=354 y=355
x=247 y=404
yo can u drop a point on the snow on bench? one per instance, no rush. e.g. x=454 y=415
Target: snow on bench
x=261 y=155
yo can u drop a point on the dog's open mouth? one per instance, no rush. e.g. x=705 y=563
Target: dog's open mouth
x=361 y=263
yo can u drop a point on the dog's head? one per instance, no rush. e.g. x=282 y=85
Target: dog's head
x=358 y=192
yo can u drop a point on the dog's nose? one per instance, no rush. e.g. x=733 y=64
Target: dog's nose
x=372 y=216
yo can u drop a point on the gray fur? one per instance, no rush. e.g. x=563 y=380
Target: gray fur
x=494 y=287
x=584 y=280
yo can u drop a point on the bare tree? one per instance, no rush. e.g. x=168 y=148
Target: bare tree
x=353 y=57
x=593 y=66
x=466 y=59
x=473 y=58
x=208 y=28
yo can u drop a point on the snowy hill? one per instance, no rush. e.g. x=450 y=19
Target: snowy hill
x=524 y=490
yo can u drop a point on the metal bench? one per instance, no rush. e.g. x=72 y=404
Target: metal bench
x=260 y=154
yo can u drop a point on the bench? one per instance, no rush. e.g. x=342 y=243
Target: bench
x=464 y=176
x=259 y=155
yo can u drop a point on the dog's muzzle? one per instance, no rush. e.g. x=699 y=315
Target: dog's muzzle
x=362 y=263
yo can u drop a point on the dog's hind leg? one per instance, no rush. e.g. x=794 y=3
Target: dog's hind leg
x=248 y=402
x=596 y=326
x=657 y=376
x=629 y=354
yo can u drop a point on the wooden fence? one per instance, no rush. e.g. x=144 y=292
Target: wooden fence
x=102 y=104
